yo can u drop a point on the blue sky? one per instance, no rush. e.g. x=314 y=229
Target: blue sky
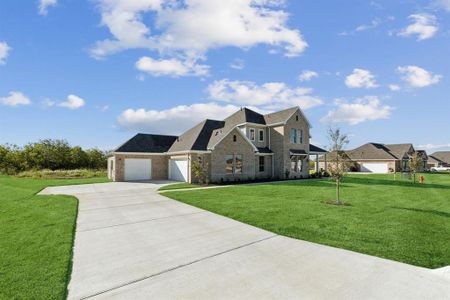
x=96 y=72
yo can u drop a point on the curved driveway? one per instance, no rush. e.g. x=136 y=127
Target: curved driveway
x=132 y=243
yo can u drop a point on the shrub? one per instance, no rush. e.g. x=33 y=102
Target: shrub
x=55 y=174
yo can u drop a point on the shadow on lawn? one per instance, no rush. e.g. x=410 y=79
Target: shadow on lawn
x=427 y=211
x=364 y=181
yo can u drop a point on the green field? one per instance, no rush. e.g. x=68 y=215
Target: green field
x=388 y=218
x=36 y=238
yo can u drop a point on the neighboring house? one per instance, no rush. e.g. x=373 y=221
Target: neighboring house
x=244 y=146
x=439 y=159
x=383 y=158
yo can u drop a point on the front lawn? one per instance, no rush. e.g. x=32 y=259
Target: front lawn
x=36 y=238
x=397 y=220
x=178 y=186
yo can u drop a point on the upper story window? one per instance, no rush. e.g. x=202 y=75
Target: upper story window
x=296 y=118
x=293 y=136
x=296 y=136
x=234 y=138
x=252 y=134
x=300 y=136
x=261 y=135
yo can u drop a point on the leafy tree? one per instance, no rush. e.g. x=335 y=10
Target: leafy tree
x=415 y=164
x=339 y=163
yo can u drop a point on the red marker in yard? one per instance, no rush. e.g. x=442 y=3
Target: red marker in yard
x=421 y=179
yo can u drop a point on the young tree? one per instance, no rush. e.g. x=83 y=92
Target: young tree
x=415 y=164
x=200 y=170
x=339 y=163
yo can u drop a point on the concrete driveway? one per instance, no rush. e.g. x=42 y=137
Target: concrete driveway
x=132 y=243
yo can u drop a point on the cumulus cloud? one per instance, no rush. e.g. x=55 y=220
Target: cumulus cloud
x=268 y=96
x=434 y=146
x=418 y=77
x=171 y=67
x=365 y=109
x=44 y=5
x=307 y=75
x=424 y=26
x=73 y=102
x=361 y=78
x=187 y=29
x=4 y=52
x=394 y=87
x=15 y=99
x=174 y=120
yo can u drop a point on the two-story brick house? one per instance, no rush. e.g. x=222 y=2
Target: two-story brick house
x=244 y=146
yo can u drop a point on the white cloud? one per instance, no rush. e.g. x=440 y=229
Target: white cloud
x=373 y=24
x=268 y=96
x=365 y=109
x=445 y=4
x=394 y=87
x=361 y=78
x=15 y=99
x=307 y=75
x=187 y=29
x=433 y=146
x=48 y=103
x=418 y=77
x=73 y=102
x=174 y=120
x=171 y=67
x=44 y=5
x=238 y=64
x=424 y=26
x=4 y=52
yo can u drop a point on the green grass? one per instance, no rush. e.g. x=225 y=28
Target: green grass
x=397 y=220
x=36 y=238
x=177 y=186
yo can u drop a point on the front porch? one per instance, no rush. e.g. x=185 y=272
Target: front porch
x=317 y=155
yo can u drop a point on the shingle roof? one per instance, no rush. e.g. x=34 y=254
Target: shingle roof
x=196 y=138
x=313 y=148
x=442 y=155
x=280 y=116
x=147 y=143
x=399 y=150
x=297 y=152
x=264 y=150
x=432 y=159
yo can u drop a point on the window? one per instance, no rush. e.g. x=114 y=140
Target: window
x=262 y=160
x=296 y=118
x=238 y=164
x=261 y=135
x=252 y=134
x=233 y=164
x=293 y=136
x=300 y=136
x=234 y=138
x=229 y=164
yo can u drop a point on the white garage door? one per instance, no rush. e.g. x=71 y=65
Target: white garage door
x=374 y=167
x=138 y=169
x=178 y=169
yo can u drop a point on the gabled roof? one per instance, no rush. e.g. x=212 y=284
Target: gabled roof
x=147 y=143
x=442 y=155
x=196 y=138
x=400 y=150
x=433 y=159
x=371 y=151
x=245 y=115
x=280 y=116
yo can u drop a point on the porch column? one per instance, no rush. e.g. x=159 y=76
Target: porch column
x=326 y=163
x=317 y=163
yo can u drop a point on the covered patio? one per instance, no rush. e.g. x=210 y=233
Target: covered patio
x=316 y=153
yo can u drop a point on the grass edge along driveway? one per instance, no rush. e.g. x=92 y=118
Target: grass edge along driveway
x=36 y=238
x=396 y=220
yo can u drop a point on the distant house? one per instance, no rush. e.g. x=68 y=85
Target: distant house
x=244 y=146
x=382 y=158
x=439 y=159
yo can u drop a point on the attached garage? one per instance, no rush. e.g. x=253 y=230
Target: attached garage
x=137 y=169
x=178 y=169
x=380 y=167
